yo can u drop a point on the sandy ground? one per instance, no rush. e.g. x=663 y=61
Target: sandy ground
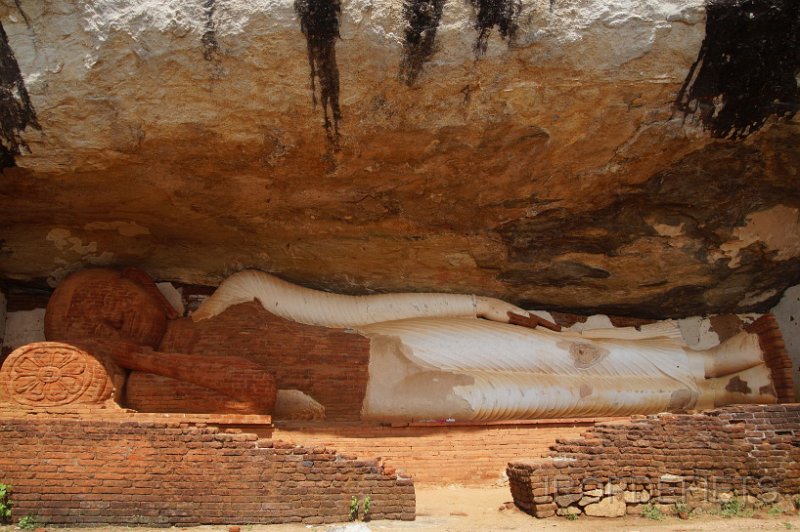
x=461 y=509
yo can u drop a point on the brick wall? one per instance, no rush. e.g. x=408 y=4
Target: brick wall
x=751 y=450
x=440 y=455
x=328 y=364
x=127 y=472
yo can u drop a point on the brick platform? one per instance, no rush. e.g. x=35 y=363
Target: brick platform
x=467 y=454
x=744 y=450
x=127 y=471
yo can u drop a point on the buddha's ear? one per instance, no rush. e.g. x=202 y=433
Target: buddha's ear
x=141 y=278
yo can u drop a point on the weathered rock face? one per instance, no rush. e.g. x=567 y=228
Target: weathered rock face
x=528 y=150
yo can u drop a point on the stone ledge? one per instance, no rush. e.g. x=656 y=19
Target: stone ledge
x=112 y=412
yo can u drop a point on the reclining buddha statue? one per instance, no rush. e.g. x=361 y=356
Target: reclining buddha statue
x=463 y=357
x=113 y=336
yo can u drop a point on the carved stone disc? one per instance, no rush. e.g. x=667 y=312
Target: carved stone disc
x=53 y=374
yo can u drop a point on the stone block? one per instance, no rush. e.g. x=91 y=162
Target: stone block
x=566 y=500
x=634 y=509
x=633 y=497
x=545 y=510
x=612 y=506
x=588 y=500
x=569 y=510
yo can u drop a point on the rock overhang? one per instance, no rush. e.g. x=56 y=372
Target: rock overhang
x=551 y=169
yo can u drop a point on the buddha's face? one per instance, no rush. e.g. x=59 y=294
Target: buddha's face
x=102 y=303
x=135 y=314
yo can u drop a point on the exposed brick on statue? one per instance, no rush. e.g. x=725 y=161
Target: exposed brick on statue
x=328 y=364
x=233 y=377
x=775 y=356
x=71 y=472
x=146 y=392
x=743 y=449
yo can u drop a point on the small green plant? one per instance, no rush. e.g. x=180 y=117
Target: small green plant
x=5 y=503
x=788 y=526
x=353 y=508
x=367 y=504
x=572 y=517
x=774 y=511
x=28 y=522
x=682 y=510
x=650 y=511
x=734 y=508
x=731 y=508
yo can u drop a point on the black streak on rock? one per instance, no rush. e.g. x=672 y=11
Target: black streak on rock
x=491 y=13
x=419 y=44
x=16 y=110
x=209 y=40
x=319 y=22
x=745 y=71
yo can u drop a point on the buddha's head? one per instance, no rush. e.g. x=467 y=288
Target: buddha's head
x=110 y=304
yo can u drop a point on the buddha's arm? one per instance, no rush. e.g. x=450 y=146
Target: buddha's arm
x=236 y=377
x=314 y=307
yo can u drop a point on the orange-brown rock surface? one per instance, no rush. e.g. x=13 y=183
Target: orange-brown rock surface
x=548 y=153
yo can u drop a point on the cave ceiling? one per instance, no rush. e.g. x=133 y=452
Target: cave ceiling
x=635 y=158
